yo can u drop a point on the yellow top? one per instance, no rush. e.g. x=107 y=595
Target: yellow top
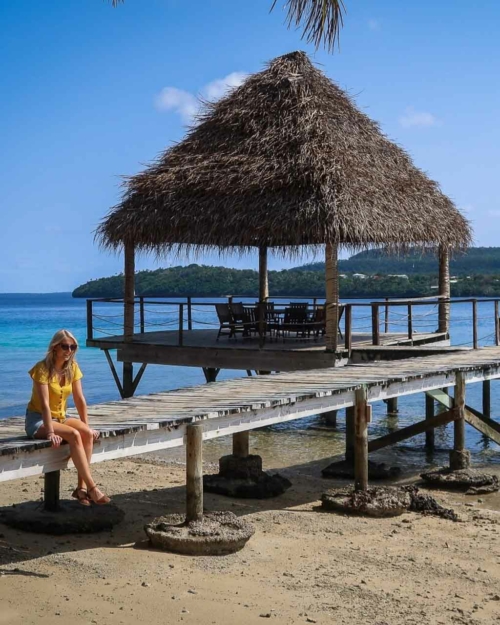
x=58 y=394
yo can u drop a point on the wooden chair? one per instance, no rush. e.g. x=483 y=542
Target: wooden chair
x=227 y=321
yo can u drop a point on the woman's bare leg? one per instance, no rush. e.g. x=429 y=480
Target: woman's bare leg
x=77 y=450
x=87 y=440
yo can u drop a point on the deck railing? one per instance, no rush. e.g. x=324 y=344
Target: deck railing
x=402 y=317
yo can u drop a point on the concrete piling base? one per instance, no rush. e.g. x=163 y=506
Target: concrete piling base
x=243 y=477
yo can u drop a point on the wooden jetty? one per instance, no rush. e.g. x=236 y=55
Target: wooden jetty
x=154 y=422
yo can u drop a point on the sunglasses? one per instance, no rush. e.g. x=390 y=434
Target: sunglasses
x=67 y=346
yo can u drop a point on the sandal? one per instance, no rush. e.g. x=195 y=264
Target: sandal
x=81 y=495
x=98 y=497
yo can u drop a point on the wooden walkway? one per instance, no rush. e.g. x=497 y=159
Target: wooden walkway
x=149 y=423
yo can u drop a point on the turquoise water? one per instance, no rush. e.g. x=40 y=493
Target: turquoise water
x=28 y=321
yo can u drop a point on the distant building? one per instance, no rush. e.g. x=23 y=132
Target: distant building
x=403 y=276
x=359 y=276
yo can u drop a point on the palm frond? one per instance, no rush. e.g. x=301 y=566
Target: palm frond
x=321 y=20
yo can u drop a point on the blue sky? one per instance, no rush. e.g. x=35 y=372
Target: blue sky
x=90 y=93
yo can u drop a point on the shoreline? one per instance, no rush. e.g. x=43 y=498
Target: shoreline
x=300 y=566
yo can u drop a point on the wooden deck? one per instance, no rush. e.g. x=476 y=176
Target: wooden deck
x=158 y=421
x=201 y=349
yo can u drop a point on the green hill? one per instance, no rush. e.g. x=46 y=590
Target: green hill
x=206 y=281
x=477 y=260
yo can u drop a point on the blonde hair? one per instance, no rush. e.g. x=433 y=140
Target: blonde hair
x=49 y=359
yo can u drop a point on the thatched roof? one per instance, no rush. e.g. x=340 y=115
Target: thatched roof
x=284 y=160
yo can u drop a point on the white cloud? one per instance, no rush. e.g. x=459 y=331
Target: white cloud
x=373 y=24
x=182 y=102
x=186 y=104
x=217 y=88
x=494 y=212
x=422 y=119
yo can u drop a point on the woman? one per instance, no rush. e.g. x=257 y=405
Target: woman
x=54 y=379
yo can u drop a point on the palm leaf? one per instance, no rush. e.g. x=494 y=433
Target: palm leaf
x=321 y=20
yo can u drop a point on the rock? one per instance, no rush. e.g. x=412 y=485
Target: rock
x=376 y=501
x=470 y=481
x=217 y=533
x=345 y=469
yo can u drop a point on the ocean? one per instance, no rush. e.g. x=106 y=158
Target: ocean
x=28 y=321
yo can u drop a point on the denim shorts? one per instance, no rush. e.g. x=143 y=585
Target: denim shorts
x=34 y=422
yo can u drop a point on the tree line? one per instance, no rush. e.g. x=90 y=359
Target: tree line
x=208 y=281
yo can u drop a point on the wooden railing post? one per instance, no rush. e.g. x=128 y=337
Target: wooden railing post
x=194 y=472
x=375 y=325
x=497 y=325
x=181 y=324
x=386 y=316
x=474 y=324
x=141 y=313
x=410 y=323
x=90 y=324
x=348 y=327
x=190 y=314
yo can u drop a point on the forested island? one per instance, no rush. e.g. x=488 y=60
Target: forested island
x=367 y=274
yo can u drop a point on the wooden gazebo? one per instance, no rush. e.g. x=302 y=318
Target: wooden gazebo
x=284 y=161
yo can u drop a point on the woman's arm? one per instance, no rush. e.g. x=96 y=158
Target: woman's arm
x=42 y=390
x=80 y=403
x=81 y=406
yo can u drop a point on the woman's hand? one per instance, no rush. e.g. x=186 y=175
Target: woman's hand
x=54 y=439
x=95 y=434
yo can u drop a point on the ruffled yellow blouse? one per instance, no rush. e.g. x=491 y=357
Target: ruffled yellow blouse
x=58 y=395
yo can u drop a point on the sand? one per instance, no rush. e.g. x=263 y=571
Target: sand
x=301 y=566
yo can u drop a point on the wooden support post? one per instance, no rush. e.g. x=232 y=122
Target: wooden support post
x=386 y=316
x=332 y=297
x=194 y=472
x=211 y=374
x=90 y=325
x=410 y=323
x=459 y=457
x=375 y=325
x=444 y=289
x=263 y=275
x=181 y=324
x=429 y=414
x=52 y=481
x=361 y=441
x=487 y=398
x=241 y=444
x=128 y=315
x=392 y=406
x=349 y=433
x=331 y=418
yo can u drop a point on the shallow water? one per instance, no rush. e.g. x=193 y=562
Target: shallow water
x=27 y=323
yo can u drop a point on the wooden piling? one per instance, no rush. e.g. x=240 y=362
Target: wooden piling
x=52 y=482
x=459 y=457
x=392 y=406
x=349 y=433
x=241 y=444
x=194 y=472
x=330 y=418
x=429 y=414
x=487 y=398
x=361 y=441
x=128 y=315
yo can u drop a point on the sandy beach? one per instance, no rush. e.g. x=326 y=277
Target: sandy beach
x=301 y=566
